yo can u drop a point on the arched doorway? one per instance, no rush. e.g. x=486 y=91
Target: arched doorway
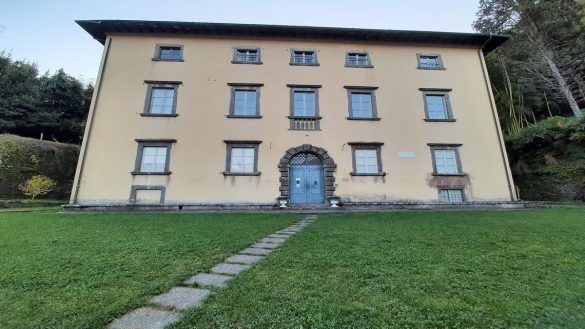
x=306 y=179
x=309 y=155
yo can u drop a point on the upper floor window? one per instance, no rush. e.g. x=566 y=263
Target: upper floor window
x=153 y=157
x=358 y=59
x=242 y=158
x=446 y=159
x=429 y=62
x=362 y=103
x=304 y=107
x=168 y=53
x=247 y=55
x=437 y=105
x=303 y=57
x=245 y=100
x=367 y=159
x=161 y=98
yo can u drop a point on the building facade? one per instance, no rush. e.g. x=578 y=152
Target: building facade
x=201 y=114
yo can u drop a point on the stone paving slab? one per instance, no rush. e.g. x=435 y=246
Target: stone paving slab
x=244 y=259
x=273 y=240
x=227 y=268
x=145 y=318
x=256 y=251
x=181 y=298
x=286 y=231
x=266 y=245
x=279 y=236
x=292 y=228
x=209 y=280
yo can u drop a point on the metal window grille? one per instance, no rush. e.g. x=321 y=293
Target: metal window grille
x=305 y=159
x=451 y=195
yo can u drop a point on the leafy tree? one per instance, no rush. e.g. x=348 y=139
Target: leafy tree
x=548 y=44
x=53 y=105
x=37 y=185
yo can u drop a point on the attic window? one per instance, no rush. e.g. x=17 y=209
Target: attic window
x=168 y=53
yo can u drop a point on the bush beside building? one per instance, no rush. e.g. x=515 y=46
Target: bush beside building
x=22 y=158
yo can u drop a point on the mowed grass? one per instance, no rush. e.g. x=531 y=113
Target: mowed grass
x=481 y=269
x=83 y=270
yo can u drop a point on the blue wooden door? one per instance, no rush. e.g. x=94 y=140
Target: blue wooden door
x=306 y=182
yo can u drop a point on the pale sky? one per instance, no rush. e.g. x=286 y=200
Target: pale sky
x=44 y=31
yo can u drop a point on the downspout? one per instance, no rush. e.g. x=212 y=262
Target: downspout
x=89 y=124
x=510 y=181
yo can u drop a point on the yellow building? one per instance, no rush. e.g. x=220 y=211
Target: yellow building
x=190 y=115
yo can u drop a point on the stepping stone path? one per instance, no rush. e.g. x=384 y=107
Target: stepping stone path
x=168 y=308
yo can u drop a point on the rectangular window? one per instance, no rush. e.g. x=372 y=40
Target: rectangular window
x=245 y=100
x=247 y=55
x=366 y=159
x=242 y=158
x=161 y=98
x=303 y=57
x=451 y=195
x=446 y=160
x=304 y=107
x=304 y=103
x=362 y=103
x=359 y=59
x=153 y=157
x=437 y=105
x=168 y=53
x=429 y=62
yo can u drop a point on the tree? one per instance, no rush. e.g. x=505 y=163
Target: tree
x=550 y=35
x=37 y=185
x=53 y=105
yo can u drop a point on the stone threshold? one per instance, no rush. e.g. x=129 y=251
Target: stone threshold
x=169 y=307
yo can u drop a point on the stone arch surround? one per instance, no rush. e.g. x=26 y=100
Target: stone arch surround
x=329 y=167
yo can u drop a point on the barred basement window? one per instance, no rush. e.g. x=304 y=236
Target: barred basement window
x=451 y=195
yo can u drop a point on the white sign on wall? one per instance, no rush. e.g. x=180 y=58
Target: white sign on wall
x=406 y=154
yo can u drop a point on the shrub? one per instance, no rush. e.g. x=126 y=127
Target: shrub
x=22 y=158
x=37 y=185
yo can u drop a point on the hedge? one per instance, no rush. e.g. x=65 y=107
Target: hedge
x=21 y=158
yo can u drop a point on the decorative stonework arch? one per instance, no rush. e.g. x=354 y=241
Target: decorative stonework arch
x=329 y=167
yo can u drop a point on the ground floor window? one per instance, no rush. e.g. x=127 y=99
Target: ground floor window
x=153 y=157
x=367 y=160
x=451 y=195
x=242 y=158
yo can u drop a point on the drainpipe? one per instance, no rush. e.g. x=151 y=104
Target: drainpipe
x=89 y=124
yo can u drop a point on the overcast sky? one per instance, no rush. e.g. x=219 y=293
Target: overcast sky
x=45 y=32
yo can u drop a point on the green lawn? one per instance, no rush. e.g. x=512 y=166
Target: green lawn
x=489 y=269
x=83 y=270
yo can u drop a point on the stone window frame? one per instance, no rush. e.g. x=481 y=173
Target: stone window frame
x=360 y=52
x=377 y=146
x=452 y=187
x=446 y=93
x=241 y=144
x=247 y=87
x=362 y=89
x=135 y=188
x=439 y=58
x=235 y=55
x=447 y=146
x=157 y=52
x=292 y=55
x=292 y=116
x=142 y=143
x=150 y=85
